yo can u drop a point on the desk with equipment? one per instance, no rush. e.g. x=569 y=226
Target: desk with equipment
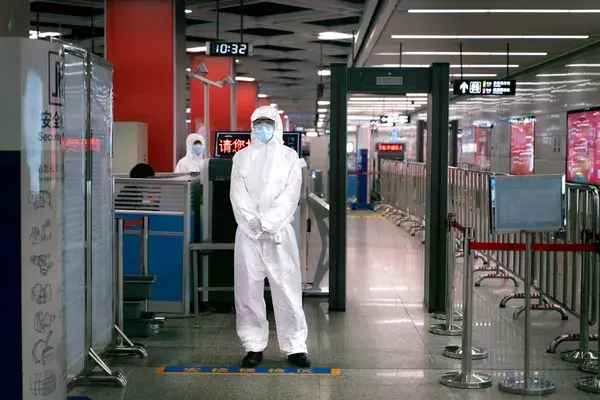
x=213 y=255
x=170 y=203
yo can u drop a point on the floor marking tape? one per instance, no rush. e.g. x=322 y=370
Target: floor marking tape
x=175 y=370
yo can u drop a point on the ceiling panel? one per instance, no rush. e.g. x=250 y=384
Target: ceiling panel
x=288 y=53
x=523 y=53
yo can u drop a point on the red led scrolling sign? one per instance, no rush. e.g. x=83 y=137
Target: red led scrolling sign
x=232 y=146
x=75 y=145
x=390 y=147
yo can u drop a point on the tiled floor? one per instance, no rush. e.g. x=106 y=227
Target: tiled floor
x=381 y=344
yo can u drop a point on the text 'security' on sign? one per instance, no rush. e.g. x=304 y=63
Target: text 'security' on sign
x=73 y=145
x=484 y=88
x=229 y=143
x=390 y=147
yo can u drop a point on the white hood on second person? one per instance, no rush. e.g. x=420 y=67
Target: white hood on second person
x=191 y=162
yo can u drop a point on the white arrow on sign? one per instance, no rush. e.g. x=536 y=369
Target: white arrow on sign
x=464 y=87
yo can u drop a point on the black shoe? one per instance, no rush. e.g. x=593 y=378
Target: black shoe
x=252 y=359
x=300 y=360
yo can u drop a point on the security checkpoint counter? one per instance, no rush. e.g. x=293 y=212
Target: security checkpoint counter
x=171 y=203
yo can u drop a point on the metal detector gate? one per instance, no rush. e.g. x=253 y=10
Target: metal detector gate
x=391 y=81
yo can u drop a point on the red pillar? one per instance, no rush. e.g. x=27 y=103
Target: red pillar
x=220 y=98
x=264 y=102
x=246 y=95
x=140 y=42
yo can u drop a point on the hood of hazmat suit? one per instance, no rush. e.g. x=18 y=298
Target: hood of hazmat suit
x=266 y=181
x=194 y=158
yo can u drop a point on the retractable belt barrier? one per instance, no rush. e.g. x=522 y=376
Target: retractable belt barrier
x=565 y=279
x=560 y=269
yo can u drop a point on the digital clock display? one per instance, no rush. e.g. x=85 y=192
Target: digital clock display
x=228 y=49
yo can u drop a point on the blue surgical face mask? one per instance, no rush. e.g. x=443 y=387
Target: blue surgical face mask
x=197 y=149
x=264 y=132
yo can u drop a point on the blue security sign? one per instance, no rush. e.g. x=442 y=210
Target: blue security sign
x=395 y=135
x=484 y=88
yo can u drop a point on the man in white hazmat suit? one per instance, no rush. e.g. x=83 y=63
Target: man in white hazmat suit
x=266 y=179
x=194 y=158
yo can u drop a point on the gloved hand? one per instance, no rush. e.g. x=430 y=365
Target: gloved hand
x=277 y=238
x=265 y=237
x=255 y=225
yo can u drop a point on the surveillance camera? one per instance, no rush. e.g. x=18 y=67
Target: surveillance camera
x=227 y=81
x=201 y=70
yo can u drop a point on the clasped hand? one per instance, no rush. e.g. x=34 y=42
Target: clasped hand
x=256 y=227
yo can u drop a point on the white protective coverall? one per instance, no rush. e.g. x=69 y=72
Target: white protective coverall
x=191 y=162
x=266 y=180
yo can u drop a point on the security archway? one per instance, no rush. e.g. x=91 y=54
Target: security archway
x=391 y=81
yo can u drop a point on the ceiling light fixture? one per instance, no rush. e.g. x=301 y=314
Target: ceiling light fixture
x=465 y=53
x=198 y=49
x=582 y=65
x=474 y=75
x=36 y=34
x=451 y=66
x=334 y=36
x=188 y=110
x=273 y=105
x=501 y=11
x=324 y=72
x=187 y=11
x=280 y=111
x=263 y=96
x=490 y=36
x=570 y=74
x=188 y=69
x=244 y=79
x=389 y=101
x=285 y=116
x=323 y=102
x=322 y=110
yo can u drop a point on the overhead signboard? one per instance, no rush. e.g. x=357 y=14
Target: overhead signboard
x=484 y=88
x=229 y=143
x=228 y=49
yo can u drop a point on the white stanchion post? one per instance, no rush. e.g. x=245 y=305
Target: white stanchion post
x=449 y=328
x=144 y=234
x=466 y=378
x=526 y=384
x=119 y=278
